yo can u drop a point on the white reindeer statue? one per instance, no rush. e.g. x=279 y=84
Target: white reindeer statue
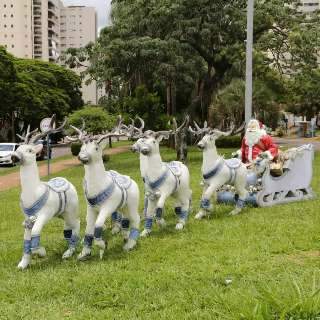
x=162 y=180
x=41 y=201
x=106 y=193
x=217 y=171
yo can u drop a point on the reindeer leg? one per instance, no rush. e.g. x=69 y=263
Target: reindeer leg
x=42 y=219
x=88 y=238
x=159 y=211
x=182 y=211
x=149 y=218
x=134 y=226
x=26 y=258
x=104 y=214
x=240 y=186
x=71 y=233
x=116 y=222
x=205 y=205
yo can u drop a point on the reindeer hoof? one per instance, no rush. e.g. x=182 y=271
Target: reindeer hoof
x=235 y=212
x=200 y=215
x=145 y=233
x=25 y=262
x=161 y=223
x=179 y=225
x=69 y=253
x=85 y=254
x=125 y=235
x=116 y=229
x=129 y=245
x=40 y=252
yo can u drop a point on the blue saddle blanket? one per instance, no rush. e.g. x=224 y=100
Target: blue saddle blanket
x=233 y=163
x=175 y=168
x=121 y=180
x=59 y=184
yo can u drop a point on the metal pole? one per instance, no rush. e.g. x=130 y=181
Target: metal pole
x=248 y=97
x=48 y=153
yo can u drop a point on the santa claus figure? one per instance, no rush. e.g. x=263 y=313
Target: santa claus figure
x=257 y=142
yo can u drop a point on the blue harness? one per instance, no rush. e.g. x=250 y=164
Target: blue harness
x=231 y=166
x=41 y=202
x=105 y=194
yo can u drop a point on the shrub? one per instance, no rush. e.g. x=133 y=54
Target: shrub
x=105 y=158
x=229 y=142
x=96 y=119
x=75 y=148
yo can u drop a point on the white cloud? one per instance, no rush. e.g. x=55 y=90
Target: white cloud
x=102 y=6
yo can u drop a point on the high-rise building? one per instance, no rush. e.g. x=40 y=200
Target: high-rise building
x=43 y=29
x=78 y=27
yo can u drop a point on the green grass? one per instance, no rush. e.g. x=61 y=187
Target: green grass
x=271 y=255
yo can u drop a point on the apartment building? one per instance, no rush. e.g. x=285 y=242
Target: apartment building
x=78 y=27
x=43 y=29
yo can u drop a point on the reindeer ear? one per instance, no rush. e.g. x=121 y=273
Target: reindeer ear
x=38 y=148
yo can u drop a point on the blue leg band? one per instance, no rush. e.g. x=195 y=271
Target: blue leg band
x=125 y=223
x=178 y=210
x=240 y=203
x=73 y=241
x=98 y=232
x=67 y=234
x=35 y=242
x=183 y=215
x=159 y=213
x=134 y=234
x=205 y=204
x=88 y=238
x=116 y=217
x=145 y=209
x=27 y=246
x=148 y=223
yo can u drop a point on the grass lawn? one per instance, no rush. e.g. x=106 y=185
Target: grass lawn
x=272 y=257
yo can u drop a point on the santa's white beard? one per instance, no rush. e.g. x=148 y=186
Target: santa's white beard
x=254 y=137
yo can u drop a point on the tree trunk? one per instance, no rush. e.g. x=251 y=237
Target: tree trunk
x=169 y=98
x=181 y=145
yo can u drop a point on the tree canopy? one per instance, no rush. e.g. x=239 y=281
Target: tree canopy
x=188 y=50
x=36 y=89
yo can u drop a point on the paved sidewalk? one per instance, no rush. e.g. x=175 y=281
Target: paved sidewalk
x=296 y=142
x=13 y=179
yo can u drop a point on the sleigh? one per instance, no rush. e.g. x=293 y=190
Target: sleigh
x=266 y=190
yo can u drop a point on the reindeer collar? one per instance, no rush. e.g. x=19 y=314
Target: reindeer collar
x=214 y=171
x=37 y=205
x=100 y=197
x=158 y=182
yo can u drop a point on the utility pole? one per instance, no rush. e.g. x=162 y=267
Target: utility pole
x=248 y=96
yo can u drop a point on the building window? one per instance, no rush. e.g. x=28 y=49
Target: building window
x=4 y=15
x=12 y=26
x=11 y=6
x=5 y=6
x=5 y=25
x=12 y=46
x=12 y=36
x=11 y=16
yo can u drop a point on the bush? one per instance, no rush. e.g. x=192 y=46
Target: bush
x=75 y=148
x=105 y=158
x=229 y=142
x=96 y=119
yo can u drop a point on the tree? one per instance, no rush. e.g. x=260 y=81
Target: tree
x=36 y=89
x=96 y=119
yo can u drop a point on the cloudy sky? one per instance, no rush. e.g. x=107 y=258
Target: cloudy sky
x=102 y=6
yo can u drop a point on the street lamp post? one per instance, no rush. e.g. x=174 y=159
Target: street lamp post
x=248 y=96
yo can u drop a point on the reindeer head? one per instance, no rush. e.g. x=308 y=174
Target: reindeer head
x=211 y=135
x=149 y=143
x=92 y=146
x=28 y=150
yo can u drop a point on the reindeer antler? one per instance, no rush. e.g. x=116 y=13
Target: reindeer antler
x=199 y=131
x=81 y=133
x=185 y=123
x=28 y=135
x=51 y=130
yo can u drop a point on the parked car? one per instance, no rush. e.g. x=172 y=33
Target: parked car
x=6 y=150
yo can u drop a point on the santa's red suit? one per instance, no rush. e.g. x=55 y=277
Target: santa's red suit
x=259 y=143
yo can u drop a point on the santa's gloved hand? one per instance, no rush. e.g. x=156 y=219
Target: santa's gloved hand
x=265 y=155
